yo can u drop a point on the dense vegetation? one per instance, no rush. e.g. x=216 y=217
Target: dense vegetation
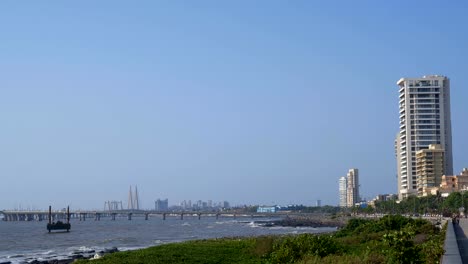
x=391 y=239
x=432 y=204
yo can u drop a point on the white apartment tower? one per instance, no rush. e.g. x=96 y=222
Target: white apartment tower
x=343 y=185
x=424 y=120
x=352 y=190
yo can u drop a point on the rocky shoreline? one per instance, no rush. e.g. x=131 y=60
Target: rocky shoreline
x=76 y=255
x=305 y=221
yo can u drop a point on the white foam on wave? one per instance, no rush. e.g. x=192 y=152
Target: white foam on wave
x=158 y=242
x=15 y=256
x=12 y=261
x=279 y=228
x=85 y=248
x=49 y=252
x=130 y=248
x=226 y=222
x=253 y=224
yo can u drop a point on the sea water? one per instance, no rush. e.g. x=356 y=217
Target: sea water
x=25 y=241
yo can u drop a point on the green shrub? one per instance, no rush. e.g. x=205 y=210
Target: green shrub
x=293 y=249
x=432 y=250
x=401 y=247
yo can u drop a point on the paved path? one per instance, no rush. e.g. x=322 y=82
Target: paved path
x=452 y=253
x=461 y=231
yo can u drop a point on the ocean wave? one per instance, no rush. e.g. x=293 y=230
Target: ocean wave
x=253 y=224
x=49 y=252
x=15 y=256
x=227 y=222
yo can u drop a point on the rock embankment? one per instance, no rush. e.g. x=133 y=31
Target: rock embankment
x=309 y=221
x=91 y=254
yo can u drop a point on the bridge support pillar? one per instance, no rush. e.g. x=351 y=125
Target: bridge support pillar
x=146 y=216
x=181 y=216
x=113 y=217
x=217 y=216
x=164 y=216
x=130 y=216
x=199 y=216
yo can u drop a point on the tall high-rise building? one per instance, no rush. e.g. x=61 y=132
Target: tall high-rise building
x=424 y=119
x=343 y=185
x=429 y=168
x=352 y=190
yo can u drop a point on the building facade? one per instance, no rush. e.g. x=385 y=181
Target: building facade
x=161 y=205
x=352 y=190
x=424 y=110
x=398 y=160
x=266 y=209
x=455 y=183
x=343 y=185
x=429 y=168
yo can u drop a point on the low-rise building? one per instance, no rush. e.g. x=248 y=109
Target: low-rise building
x=454 y=183
x=266 y=209
x=429 y=168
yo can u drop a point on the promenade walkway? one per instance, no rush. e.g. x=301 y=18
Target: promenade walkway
x=461 y=233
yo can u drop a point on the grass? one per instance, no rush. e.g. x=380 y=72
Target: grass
x=246 y=250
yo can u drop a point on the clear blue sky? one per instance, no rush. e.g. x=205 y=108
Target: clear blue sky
x=254 y=102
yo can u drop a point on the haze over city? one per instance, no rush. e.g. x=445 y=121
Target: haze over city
x=252 y=103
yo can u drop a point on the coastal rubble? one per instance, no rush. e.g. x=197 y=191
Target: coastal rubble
x=86 y=254
x=305 y=221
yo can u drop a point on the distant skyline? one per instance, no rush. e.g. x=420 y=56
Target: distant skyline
x=265 y=102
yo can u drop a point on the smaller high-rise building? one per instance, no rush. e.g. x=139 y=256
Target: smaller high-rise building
x=429 y=168
x=352 y=187
x=343 y=185
x=161 y=205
